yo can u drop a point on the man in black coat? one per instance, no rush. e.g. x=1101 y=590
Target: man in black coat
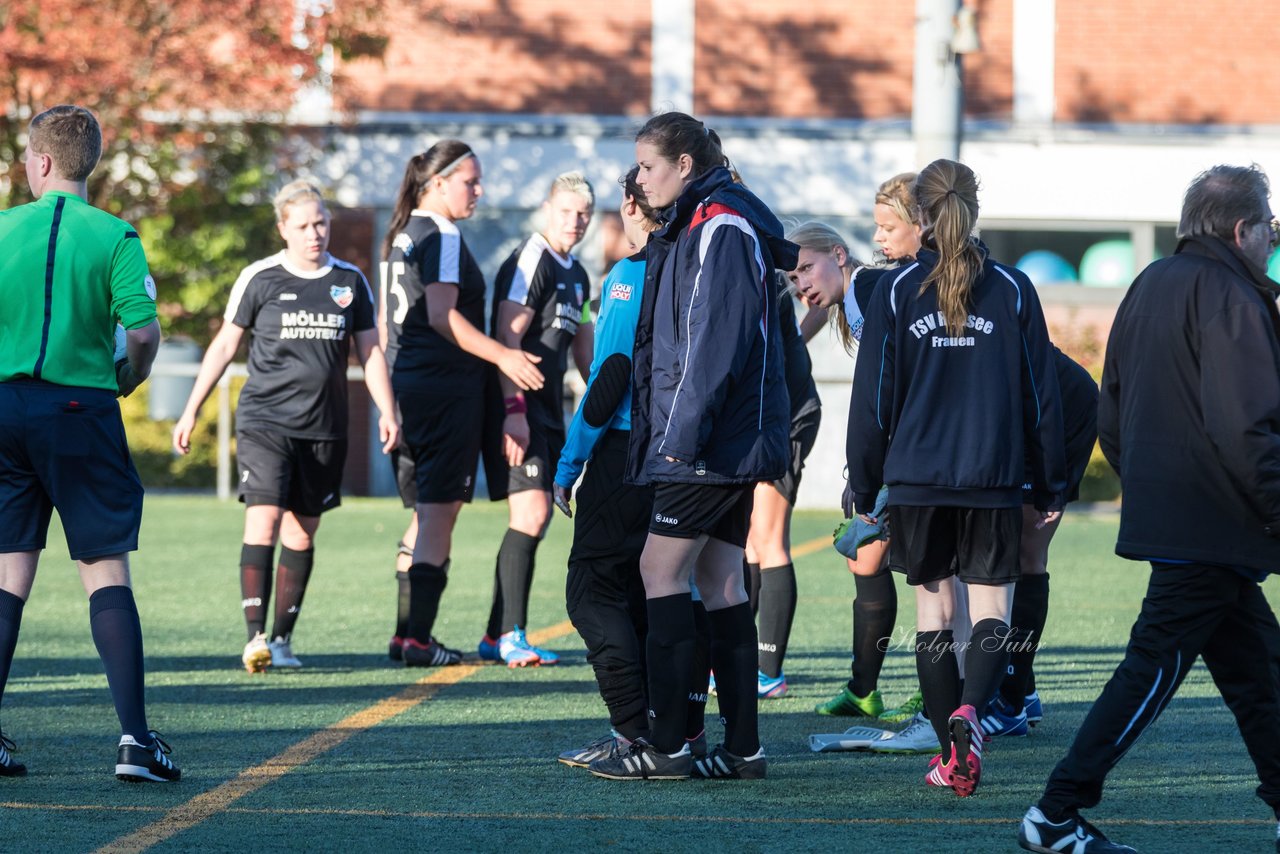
x=1189 y=415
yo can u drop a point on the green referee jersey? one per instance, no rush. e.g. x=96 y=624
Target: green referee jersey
x=69 y=273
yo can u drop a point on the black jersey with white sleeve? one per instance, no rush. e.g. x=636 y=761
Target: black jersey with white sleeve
x=301 y=323
x=429 y=250
x=555 y=287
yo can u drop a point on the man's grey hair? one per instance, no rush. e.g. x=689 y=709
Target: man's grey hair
x=1220 y=197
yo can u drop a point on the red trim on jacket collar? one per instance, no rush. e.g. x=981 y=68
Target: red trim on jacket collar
x=705 y=212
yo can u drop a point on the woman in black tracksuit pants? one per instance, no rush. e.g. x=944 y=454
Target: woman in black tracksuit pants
x=960 y=381
x=710 y=419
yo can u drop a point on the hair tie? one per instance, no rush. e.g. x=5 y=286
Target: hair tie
x=951 y=192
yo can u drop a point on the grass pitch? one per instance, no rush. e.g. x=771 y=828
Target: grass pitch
x=353 y=753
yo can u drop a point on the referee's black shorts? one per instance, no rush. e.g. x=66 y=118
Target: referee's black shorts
x=65 y=447
x=979 y=545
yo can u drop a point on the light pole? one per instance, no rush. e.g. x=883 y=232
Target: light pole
x=945 y=31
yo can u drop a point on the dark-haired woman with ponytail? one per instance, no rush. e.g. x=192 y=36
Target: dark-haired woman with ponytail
x=710 y=418
x=958 y=382
x=433 y=308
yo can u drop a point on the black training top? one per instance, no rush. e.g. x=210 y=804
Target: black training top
x=430 y=249
x=556 y=288
x=301 y=324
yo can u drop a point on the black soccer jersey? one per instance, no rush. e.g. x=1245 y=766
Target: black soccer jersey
x=427 y=250
x=555 y=287
x=301 y=324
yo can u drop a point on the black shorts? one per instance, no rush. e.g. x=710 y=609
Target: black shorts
x=979 y=545
x=304 y=476
x=443 y=434
x=65 y=447
x=538 y=471
x=688 y=510
x=804 y=433
x=406 y=471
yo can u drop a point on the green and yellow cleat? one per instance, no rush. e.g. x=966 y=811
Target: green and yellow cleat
x=846 y=704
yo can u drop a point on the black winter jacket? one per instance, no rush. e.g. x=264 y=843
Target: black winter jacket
x=1189 y=411
x=943 y=420
x=710 y=390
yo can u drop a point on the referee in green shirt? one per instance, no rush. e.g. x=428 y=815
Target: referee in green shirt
x=70 y=273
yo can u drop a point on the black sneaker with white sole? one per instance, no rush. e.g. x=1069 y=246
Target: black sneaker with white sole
x=137 y=763
x=9 y=767
x=642 y=761
x=720 y=764
x=606 y=747
x=430 y=654
x=1072 y=835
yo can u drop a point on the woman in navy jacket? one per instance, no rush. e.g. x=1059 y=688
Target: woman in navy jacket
x=956 y=383
x=710 y=419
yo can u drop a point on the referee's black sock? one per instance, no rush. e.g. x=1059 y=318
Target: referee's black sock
x=733 y=656
x=777 y=609
x=515 y=575
x=695 y=722
x=10 y=620
x=256 y=566
x=1030 y=609
x=939 y=680
x=751 y=583
x=117 y=633
x=291 y=587
x=875 y=610
x=426 y=586
x=985 y=663
x=670 y=651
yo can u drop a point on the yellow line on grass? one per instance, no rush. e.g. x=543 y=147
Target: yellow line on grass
x=220 y=798
x=811 y=547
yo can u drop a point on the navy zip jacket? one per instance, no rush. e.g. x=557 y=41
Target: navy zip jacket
x=709 y=384
x=954 y=421
x=1189 y=413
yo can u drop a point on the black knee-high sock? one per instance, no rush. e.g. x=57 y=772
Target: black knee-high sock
x=671 y=643
x=733 y=656
x=291 y=587
x=10 y=620
x=1030 y=609
x=117 y=633
x=777 y=609
x=751 y=583
x=402 y=604
x=985 y=663
x=701 y=673
x=256 y=564
x=426 y=586
x=875 y=610
x=939 y=680
x=515 y=575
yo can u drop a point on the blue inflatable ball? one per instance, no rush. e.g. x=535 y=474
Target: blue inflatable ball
x=1047 y=268
x=1273 y=267
x=1108 y=264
